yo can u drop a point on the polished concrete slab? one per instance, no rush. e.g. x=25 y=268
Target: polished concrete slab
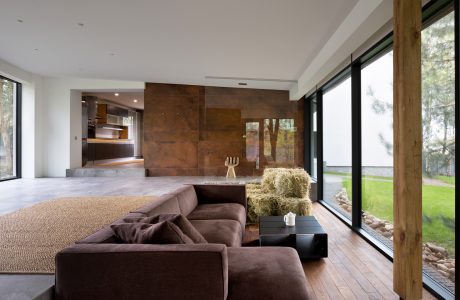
x=15 y=194
x=26 y=286
x=19 y=193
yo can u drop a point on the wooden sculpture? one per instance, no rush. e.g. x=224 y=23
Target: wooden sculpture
x=231 y=163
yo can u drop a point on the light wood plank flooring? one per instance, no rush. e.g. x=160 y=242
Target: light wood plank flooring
x=353 y=269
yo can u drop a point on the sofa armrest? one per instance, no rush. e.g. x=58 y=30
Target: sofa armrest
x=221 y=193
x=142 y=271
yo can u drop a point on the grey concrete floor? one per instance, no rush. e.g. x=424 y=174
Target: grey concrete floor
x=19 y=193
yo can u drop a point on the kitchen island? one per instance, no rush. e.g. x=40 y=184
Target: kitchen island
x=99 y=149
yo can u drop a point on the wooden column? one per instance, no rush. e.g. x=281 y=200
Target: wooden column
x=407 y=117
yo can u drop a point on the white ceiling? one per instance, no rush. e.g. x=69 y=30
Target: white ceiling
x=171 y=41
x=123 y=98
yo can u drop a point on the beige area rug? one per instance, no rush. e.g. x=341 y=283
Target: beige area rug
x=118 y=163
x=31 y=237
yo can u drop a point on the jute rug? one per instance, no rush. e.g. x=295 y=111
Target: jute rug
x=31 y=237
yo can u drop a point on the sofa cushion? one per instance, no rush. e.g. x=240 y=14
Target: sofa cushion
x=102 y=236
x=226 y=232
x=166 y=204
x=105 y=235
x=142 y=233
x=182 y=222
x=186 y=196
x=228 y=211
x=265 y=273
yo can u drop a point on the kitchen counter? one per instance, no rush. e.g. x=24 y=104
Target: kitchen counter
x=110 y=141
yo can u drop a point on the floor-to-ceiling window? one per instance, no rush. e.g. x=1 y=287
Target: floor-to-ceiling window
x=377 y=147
x=336 y=106
x=313 y=141
x=438 y=150
x=373 y=136
x=8 y=129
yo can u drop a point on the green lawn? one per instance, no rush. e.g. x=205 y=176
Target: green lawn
x=446 y=179
x=438 y=208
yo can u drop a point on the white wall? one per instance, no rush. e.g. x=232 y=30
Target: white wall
x=63 y=119
x=31 y=151
x=51 y=119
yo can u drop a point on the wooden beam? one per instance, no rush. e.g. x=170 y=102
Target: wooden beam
x=407 y=117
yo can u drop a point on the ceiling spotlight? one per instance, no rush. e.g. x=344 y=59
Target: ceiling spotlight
x=116 y=94
x=242 y=83
x=135 y=100
x=20 y=21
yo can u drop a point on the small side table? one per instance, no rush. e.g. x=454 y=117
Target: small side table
x=307 y=236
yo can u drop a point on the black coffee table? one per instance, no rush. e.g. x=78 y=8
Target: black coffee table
x=307 y=236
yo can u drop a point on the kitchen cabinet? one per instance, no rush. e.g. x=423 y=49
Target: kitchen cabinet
x=98 y=151
x=117 y=111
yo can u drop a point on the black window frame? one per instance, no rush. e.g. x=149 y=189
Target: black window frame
x=431 y=12
x=18 y=129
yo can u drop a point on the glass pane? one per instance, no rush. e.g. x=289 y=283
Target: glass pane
x=7 y=129
x=258 y=126
x=438 y=123
x=252 y=141
x=337 y=147
x=314 y=161
x=377 y=148
x=279 y=142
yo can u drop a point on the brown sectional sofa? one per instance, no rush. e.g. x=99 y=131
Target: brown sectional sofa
x=100 y=267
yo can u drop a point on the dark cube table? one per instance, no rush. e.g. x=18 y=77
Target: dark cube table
x=307 y=236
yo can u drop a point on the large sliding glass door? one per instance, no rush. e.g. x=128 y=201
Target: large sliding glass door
x=9 y=91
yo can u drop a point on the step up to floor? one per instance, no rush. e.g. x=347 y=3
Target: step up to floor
x=103 y=172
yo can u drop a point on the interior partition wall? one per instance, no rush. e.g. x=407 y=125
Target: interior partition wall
x=354 y=139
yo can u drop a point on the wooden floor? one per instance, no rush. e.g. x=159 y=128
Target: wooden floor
x=353 y=269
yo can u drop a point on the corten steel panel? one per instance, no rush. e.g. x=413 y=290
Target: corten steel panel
x=171 y=129
x=189 y=130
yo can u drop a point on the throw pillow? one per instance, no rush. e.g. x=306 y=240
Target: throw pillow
x=143 y=233
x=179 y=220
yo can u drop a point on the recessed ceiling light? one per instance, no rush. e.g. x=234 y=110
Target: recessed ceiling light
x=135 y=100
x=20 y=21
x=81 y=24
x=116 y=94
x=36 y=49
x=242 y=83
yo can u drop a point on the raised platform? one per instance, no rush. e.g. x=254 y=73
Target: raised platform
x=107 y=172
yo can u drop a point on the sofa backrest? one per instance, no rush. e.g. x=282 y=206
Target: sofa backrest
x=166 y=204
x=187 y=198
x=142 y=271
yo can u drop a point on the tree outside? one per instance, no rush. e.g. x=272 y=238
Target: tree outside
x=7 y=118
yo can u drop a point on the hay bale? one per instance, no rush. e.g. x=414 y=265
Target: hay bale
x=281 y=191
x=292 y=183
x=252 y=188
x=268 y=179
x=261 y=204
x=299 y=206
